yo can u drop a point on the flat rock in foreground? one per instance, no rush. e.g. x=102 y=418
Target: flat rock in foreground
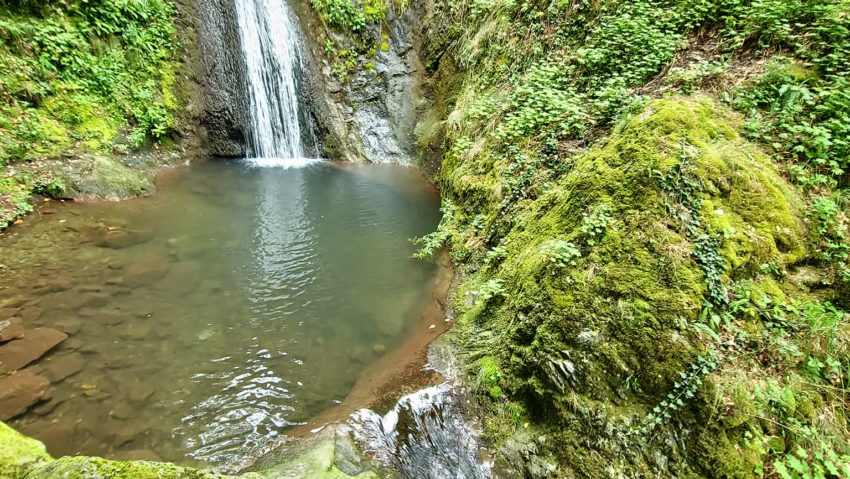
x=16 y=354
x=19 y=391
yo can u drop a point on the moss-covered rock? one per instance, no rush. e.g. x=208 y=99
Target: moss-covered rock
x=603 y=275
x=25 y=458
x=19 y=453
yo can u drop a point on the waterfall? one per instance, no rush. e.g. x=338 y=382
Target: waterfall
x=272 y=51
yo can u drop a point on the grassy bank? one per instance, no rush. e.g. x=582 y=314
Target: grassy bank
x=649 y=203
x=81 y=80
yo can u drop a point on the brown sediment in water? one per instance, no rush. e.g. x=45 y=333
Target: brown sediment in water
x=403 y=370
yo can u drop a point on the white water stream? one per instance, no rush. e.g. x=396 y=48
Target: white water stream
x=271 y=47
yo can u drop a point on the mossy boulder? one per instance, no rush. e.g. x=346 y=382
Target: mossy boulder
x=107 y=177
x=25 y=458
x=19 y=453
x=602 y=274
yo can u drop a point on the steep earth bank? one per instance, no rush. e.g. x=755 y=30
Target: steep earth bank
x=648 y=208
x=647 y=204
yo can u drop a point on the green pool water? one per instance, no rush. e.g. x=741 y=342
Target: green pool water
x=208 y=319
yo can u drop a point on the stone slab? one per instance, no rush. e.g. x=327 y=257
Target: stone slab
x=36 y=342
x=19 y=391
x=60 y=368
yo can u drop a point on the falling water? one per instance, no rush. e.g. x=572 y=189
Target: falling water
x=271 y=47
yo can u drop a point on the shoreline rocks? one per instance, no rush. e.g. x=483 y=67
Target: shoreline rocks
x=35 y=343
x=19 y=392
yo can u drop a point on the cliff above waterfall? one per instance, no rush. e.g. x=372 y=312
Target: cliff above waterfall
x=364 y=78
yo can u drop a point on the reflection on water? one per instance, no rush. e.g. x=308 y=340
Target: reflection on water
x=210 y=318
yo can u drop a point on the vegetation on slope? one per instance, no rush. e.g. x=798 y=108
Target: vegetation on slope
x=652 y=286
x=80 y=77
x=355 y=32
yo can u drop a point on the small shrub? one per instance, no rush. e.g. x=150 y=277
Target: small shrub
x=491 y=289
x=562 y=253
x=595 y=223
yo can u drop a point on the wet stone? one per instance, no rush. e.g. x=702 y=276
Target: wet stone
x=35 y=343
x=68 y=325
x=137 y=332
x=121 y=238
x=71 y=344
x=140 y=393
x=31 y=314
x=63 y=367
x=90 y=300
x=118 y=363
x=46 y=407
x=11 y=329
x=118 y=433
x=19 y=391
x=122 y=411
x=110 y=318
x=61 y=284
x=12 y=303
x=146 y=271
x=58 y=437
x=90 y=288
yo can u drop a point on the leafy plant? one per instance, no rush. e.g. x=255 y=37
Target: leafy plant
x=562 y=253
x=342 y=14
x=432 y=242
x=489 y=290
x=683 y=390
x=595 y=223
x=822 y=464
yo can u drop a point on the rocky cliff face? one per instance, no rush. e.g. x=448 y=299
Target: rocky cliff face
x=364 y=87
x=217 y=71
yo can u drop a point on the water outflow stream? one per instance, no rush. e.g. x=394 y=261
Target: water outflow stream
x=423 y=437
x=271 y=46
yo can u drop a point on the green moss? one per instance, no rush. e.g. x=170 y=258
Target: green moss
x=14 y=199
x=18 y=453
x=106 y=177
x=95 y=468
x=489 y=376
x=615 y=325
x=25 y=458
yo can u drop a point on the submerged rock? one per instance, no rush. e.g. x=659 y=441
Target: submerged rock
x=146 y=271
x=331 y=453
x=16 y=354
x=140 y=455
x=63 y=367
x=123 y=238
x=18 y=392
x=140 y=393
x=68 y=325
